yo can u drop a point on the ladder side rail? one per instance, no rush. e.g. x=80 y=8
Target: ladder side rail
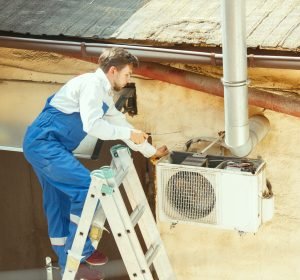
x=75 y=254
x=125 y=237
x=147 y=223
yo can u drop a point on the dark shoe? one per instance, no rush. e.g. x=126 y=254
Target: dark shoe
x=85 y=273
x=97 y=258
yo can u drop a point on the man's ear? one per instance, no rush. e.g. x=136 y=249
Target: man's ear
x=112 y=69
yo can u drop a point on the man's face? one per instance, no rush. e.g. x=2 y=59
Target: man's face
x=121 y=77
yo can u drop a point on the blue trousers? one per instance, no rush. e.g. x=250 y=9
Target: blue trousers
x=64 y=181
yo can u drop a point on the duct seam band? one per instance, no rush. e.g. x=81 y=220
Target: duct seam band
x=235 y=83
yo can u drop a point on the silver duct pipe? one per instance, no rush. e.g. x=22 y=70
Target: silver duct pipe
x=237 y=134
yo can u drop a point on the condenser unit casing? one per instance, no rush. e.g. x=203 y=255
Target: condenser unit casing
x=223 y=194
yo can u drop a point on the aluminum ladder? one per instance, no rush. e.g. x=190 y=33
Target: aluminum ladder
x=104 y=187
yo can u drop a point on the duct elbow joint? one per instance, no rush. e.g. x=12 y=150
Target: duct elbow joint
x=259 y=126
x=243 y=150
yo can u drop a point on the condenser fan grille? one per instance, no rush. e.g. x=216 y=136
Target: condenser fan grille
x=190 y=196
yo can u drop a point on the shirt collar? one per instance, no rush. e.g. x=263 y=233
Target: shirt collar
x=101 y=75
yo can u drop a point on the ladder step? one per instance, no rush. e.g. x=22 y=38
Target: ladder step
x=152 y=253
x=119 y=177
x=137 y=214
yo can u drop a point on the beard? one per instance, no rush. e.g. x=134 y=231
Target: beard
x=117 y=88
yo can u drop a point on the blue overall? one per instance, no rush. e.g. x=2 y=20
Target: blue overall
x=48 y=145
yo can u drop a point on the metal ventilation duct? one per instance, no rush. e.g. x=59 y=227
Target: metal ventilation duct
x=237 y=133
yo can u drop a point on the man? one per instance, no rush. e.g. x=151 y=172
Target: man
x=84 y=105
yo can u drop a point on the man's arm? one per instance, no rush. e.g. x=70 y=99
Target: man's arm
x=115 y=117
x=92 y=114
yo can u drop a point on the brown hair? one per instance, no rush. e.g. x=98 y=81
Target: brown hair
x=117 y=57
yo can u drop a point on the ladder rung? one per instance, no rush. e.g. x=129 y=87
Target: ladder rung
x=137 y=214
x=119 y=178
x=151 y=253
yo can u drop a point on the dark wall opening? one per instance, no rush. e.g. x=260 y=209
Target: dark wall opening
x=24 y=240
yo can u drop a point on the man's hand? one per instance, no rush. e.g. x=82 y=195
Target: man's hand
x=138 y=137
x=160 y=152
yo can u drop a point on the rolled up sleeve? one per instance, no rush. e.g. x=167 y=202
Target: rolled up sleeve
x=117 y=118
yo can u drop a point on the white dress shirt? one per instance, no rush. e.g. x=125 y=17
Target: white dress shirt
x=85 y=94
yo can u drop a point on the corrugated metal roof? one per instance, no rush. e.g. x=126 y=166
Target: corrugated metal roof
x=79 y=18
x=271 y=24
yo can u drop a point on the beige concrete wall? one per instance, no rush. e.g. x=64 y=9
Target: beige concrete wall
x=206 y=253
x=200 y=252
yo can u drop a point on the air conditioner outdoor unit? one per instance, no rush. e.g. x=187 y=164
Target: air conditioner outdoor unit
x=216 y=191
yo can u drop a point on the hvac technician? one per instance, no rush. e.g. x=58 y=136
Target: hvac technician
x=84 y=105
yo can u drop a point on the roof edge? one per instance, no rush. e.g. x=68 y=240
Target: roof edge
x=145 y=53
